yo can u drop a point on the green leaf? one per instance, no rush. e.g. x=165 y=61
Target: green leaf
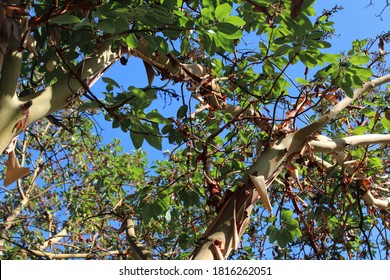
x=363 y=73
x=345 y=64
x=142 y=99
x=308 y=59
x=223 y=11
x=283 y=49
x=272 y=232
x=189 y=198
x=244 y=135
x=224 y=42
x=360 y=130
x=284 y=39
x=356 y=81
x=207 y=13
x=156 y=117
x=302 y=81
x=147 y=212
x=167 y=129
x=346 y=87
x=154 y=141
x=318 y=44
x=131 y=41
x=64 y=19
x=208 y=4
x=315 y=35
x=111 y=82
x=286 y=215
x=89 y=105
x=386 y=123
x=183 y=241
x=359 y=59
x=82 y=24
x=209 y=41
x=157 y=208
x=229 y=30
x=284 y=237
x=326 y=71
x=182 y=112
x=137 y=138
x=375 y=162
x=327 y=57
x=368 y=112
x=235 y=20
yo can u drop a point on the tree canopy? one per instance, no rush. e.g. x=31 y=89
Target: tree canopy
x=278 y=147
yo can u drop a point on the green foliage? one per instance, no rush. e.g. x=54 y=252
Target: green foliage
x=287 y=232
x=64 y=20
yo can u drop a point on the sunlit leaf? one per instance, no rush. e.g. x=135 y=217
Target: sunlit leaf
x=222 y=11
x=156 y=117
x=302 y=81
x=359 y=59
x=235 y=20
x=131 y=41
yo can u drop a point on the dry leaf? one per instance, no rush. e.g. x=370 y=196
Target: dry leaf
x=261 y=188
x=150 y=73
x=14 y=170
x=381 y=46
x=295 y=174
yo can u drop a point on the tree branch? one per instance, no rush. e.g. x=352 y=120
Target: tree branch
x=136 y=247
x=55 y=239
x=54 y=256
x=320 y=122
x=266 y=164
x=10 y=219
x=328 y=146
x=52 y=98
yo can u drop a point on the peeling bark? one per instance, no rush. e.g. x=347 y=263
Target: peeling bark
x=50 y=99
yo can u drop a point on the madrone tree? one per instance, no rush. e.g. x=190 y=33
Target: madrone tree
x=280 y=148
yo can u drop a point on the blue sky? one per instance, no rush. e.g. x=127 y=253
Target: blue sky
x=356 y=21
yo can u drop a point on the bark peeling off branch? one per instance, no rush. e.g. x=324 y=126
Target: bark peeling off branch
x=50 y=99
x=358 y=140
x=168 y=66
x=10 y=110
x=382 y=204
x=327 y=145
x=57 y=96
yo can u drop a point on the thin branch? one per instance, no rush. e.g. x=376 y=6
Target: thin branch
x=136 y=247
x=63 y=256
x=320 y=122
